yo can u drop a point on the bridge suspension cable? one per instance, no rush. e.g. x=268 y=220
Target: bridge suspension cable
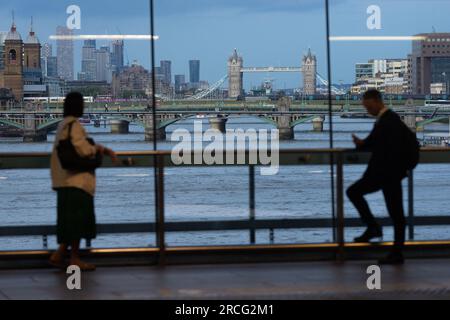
x=222 y=80
x=333 y=88
x=210 y=89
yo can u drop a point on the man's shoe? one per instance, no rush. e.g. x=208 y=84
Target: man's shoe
x=369 y=234
x=393 y=258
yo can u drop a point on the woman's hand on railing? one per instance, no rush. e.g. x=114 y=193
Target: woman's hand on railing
x=100 y=149
x=111 y=154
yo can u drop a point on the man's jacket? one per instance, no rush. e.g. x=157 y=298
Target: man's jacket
x=387 y=144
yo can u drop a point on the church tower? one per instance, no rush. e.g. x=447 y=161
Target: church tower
x=32 y=71
x=235 y=76
x=32 y=51
x=13 y=73
x=309 y=68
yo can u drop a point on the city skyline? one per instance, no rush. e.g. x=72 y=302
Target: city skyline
x=215 y=30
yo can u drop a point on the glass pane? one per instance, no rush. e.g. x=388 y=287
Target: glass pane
x=101 y=49
x=259 y=66
x=406 y=57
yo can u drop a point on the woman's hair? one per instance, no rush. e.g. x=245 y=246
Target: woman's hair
x=74 y=105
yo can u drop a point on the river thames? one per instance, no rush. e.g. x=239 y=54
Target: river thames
x=203 y=193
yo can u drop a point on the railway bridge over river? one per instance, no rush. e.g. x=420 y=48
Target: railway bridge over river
x=36 y=125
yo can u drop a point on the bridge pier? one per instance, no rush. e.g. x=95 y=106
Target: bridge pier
x=149 y=134
x=38 y=136
x=418 y=127
x=218 y=123
x=31 y=133
x=160 y=134
x=120 y=126
x=286 y=131
x=410 y=121
x=318 y=124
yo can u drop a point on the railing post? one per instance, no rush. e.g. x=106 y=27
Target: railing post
x=340 y=225
x=45 y=241
x=160 y=218
x=411 y=204
x=252 y=212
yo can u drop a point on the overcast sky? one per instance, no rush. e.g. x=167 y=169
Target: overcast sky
x=265 y=32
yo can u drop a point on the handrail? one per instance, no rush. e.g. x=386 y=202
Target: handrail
x=168 y=152
x=319 y=156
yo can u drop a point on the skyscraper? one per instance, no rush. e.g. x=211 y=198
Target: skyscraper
x=46 y=52
x=89 y=47
x=103 y=64
x=52 y=67
x=117 y=57
x=194 y=71
x=166 y=71
x=88 y=61
x=180 y=81
x=64 y=54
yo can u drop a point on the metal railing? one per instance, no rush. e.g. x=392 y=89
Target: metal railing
x=293 y=157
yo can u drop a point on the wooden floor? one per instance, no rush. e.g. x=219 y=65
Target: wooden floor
x=417 y=279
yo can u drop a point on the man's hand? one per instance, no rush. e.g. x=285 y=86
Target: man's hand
x=357 y=141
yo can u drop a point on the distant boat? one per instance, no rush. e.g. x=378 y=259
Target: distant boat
x=9 y=132
x=436 y=140
x=348 y=115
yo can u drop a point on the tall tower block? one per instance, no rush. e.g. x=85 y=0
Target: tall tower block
x=13 y=74
x=309 y=67
x=235 y=76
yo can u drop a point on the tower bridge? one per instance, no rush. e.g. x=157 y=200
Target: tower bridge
x=236 y=70
x=272 y=69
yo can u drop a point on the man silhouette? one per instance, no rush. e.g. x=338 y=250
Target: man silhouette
x=385 y=172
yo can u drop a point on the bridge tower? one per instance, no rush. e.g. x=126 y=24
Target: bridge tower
x=309 y=69
x=235 y=75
